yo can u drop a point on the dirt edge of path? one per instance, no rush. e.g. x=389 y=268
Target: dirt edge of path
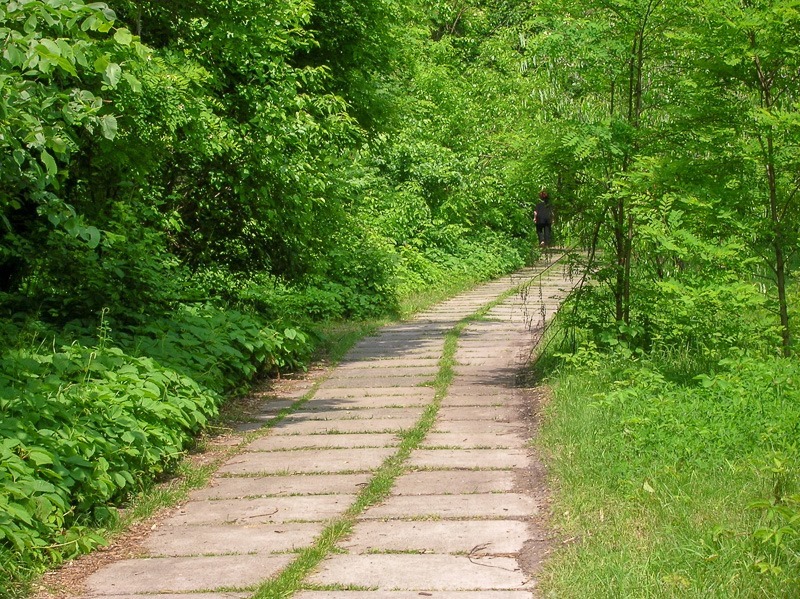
x=533 y=480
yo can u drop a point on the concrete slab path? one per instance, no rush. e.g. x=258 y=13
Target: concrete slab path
x=460 y=518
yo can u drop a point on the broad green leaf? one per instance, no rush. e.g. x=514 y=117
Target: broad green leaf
x=51 y=46
x=123 y=36
x=101 y=63
x=113 y=73
x=108 y=126
x=13 y=55
x=133 y=82
x=40 y=457
x=15 y=510
x=49 y=163
x=59 y=145
x=90 y=23
x=92 y=236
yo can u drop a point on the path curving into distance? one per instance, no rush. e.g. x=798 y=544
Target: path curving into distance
x=405 y=473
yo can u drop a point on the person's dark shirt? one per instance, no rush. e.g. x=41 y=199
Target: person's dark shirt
x=544 y=213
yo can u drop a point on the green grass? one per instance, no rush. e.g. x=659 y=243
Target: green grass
x=649 y=525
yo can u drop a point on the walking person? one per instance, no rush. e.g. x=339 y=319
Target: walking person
x=543 y=217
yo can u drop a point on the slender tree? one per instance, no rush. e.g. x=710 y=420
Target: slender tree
x=749 y=48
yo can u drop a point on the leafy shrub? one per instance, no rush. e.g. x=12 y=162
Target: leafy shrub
x=221 y=349
x=82 y=427
x=704 y=315
x=460 y=256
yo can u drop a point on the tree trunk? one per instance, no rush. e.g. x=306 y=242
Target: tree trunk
x=777 y=244
x=768 y=147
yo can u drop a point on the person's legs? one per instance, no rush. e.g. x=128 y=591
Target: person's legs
x=540 y=233
x=547 y=234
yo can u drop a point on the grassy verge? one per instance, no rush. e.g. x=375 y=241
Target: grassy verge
x=665 y=489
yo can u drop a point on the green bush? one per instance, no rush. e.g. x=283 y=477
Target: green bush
x=453 y=254
x=704 y=315
x=82 y=427
x=221 y=349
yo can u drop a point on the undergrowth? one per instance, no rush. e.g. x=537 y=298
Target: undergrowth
x=85 y=426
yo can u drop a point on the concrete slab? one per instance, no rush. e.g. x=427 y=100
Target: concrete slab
x=369 y=402
x=351 y=413
x=419 y=335
x=377 y=382
x=185 y=574
x=273 y=407
x=469 y=354
x=499 y=441
x=223 y=595
x=469 y=427
x=327 y=427
x=456 y=482
x=306 y=461
x=469 y=459
x=249 y=427
x=387 y=368
x=343 y=393
x=479 y=505
x=356 y=365
x=480 y=386
x=407 y=353
x=502 y=374
x=299 y=484
x=281 y=442
x=402 y=349
x=505 y=399
x=482 y=413
x=480 y=391
x=176 y=541
x=472 y=537
x=265 y=510
x=421 y=572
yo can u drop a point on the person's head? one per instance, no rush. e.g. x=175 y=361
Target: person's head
x=543 y=195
